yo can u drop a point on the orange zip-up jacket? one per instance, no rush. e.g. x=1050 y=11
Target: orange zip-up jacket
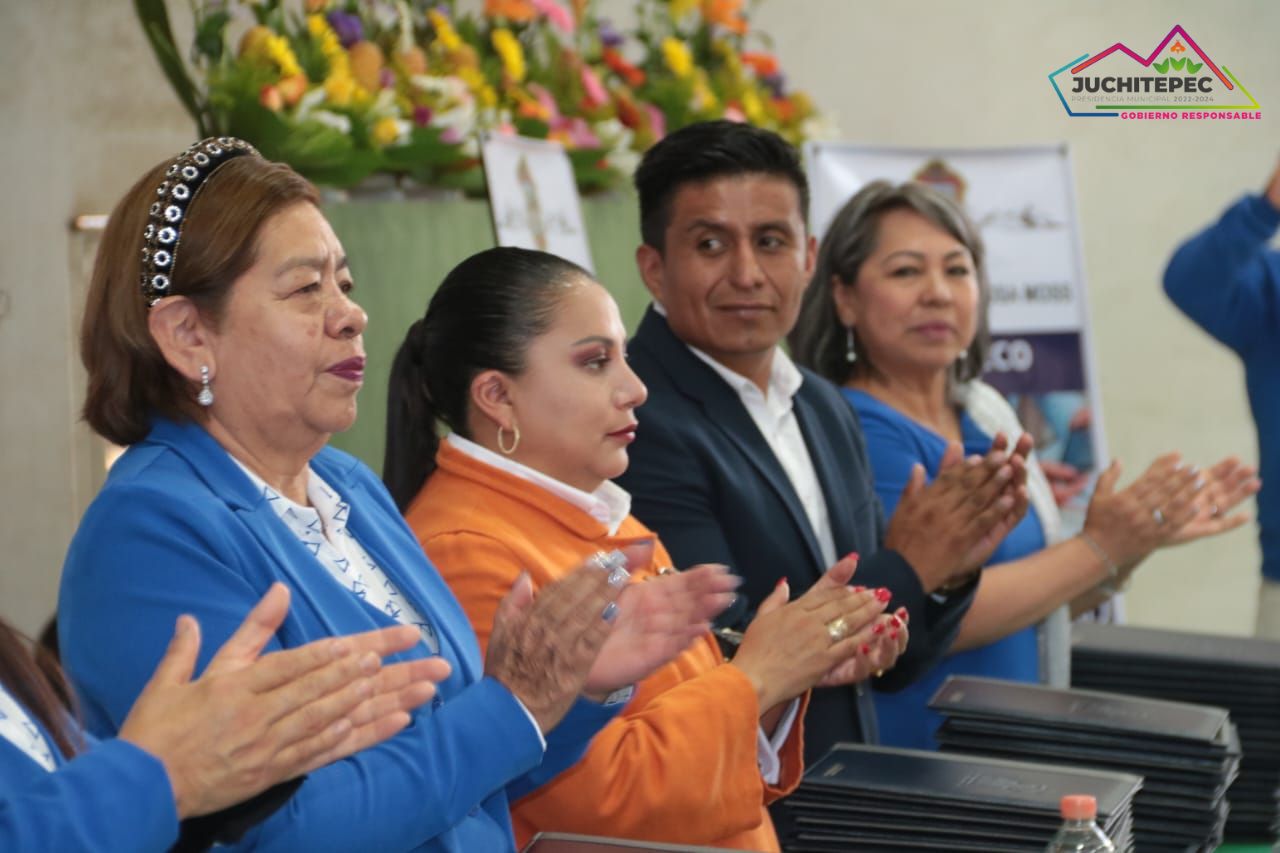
x=679 y=764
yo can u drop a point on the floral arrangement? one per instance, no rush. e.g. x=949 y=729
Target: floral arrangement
x=343 y=89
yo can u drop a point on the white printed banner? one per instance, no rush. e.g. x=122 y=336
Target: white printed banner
x=533 y=197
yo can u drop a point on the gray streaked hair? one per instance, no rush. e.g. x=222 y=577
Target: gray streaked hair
x=818 y=340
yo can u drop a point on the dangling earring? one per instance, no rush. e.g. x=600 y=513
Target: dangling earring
x=962 y=361
x=850 y=354
x=515 y=439
x=205 y=397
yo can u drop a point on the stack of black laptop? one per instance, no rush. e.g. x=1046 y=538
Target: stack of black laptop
x=1241 y=674
x=878 y=798
x=1187 y=754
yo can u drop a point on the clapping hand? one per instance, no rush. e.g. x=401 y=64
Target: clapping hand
x=1227 y=484
x=252 y=721
x=948 y=529
x=542 y=647
x=658 y=618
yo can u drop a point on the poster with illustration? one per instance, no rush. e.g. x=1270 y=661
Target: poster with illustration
x=533 y=197
x=1023 y=201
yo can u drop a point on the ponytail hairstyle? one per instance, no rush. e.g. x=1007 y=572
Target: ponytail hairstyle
x=484 y=316
x=40 y=687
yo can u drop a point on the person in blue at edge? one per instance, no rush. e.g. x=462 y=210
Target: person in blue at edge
x=896 y=314
x=1227 y=280
x=224 y=349
x=192 y=748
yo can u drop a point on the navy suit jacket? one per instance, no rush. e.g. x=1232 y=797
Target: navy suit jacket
x=704 y=478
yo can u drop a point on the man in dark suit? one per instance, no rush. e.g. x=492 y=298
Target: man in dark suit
x=744 y=459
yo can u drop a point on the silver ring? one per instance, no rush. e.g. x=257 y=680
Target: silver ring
x=610 y=611
x=1157 y=515
x=615 y=563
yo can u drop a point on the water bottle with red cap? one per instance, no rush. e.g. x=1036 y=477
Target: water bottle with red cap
x=1080 y=832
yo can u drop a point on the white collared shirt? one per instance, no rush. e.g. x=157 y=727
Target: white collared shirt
x=17 y=727
x=610 y=504
x=773 y=412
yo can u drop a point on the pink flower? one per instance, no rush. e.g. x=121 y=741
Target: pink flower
x=421 y=116
x=657 y=121
x=596 y=95
x=556 y=14
x=451 y=136
x=544 y=98
x=732 y=113
x=579 y=132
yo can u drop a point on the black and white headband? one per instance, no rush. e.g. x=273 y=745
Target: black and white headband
x=182 y=181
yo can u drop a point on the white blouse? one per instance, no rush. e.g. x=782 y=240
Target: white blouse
x=17 y=727
x=322 y=528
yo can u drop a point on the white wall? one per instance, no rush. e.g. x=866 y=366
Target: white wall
x=86 y=110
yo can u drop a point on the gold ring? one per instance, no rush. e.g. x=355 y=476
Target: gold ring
x=879 y=672
x=836 y=629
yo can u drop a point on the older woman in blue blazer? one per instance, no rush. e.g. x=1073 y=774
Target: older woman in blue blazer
x=225 y=355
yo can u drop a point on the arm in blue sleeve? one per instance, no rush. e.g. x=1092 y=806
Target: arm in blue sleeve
x=115 y=796
x=1220 y=280
x=138 y=562
x=566 y=744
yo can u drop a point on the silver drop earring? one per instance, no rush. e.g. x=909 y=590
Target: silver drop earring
x=205 y=397
x=850 y=354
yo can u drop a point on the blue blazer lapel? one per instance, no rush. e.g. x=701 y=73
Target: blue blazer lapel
x=397 y=551
x=396 y=557
x=723 y=409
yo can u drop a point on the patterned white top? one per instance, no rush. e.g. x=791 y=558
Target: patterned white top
x=17 y=727
x=322 y=529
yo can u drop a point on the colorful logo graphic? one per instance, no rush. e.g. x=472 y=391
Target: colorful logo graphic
x=1177 y=81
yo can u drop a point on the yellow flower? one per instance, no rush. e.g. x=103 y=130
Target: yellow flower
x=277 y=48
x=677 y=56
x=385 y=131
x=680 y=9
x=479 y=86
x=339 y=88
x=703 y=98
x=512 y=55
x=753 y=107
x=445 y=33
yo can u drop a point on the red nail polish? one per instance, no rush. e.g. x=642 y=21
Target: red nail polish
x=883 y=594
x=893 y=635
x=852 y=555
x=897 y=623
x=859 y=589
x=866 y=650
x=780 y=582
x=903 y=614
x=878 y=629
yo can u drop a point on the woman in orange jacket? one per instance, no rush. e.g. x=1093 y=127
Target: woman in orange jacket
x=521 y=356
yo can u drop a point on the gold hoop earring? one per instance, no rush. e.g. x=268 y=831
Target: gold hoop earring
x=515 y=439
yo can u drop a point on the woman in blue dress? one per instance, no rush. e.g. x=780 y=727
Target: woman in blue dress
x=896 y=315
